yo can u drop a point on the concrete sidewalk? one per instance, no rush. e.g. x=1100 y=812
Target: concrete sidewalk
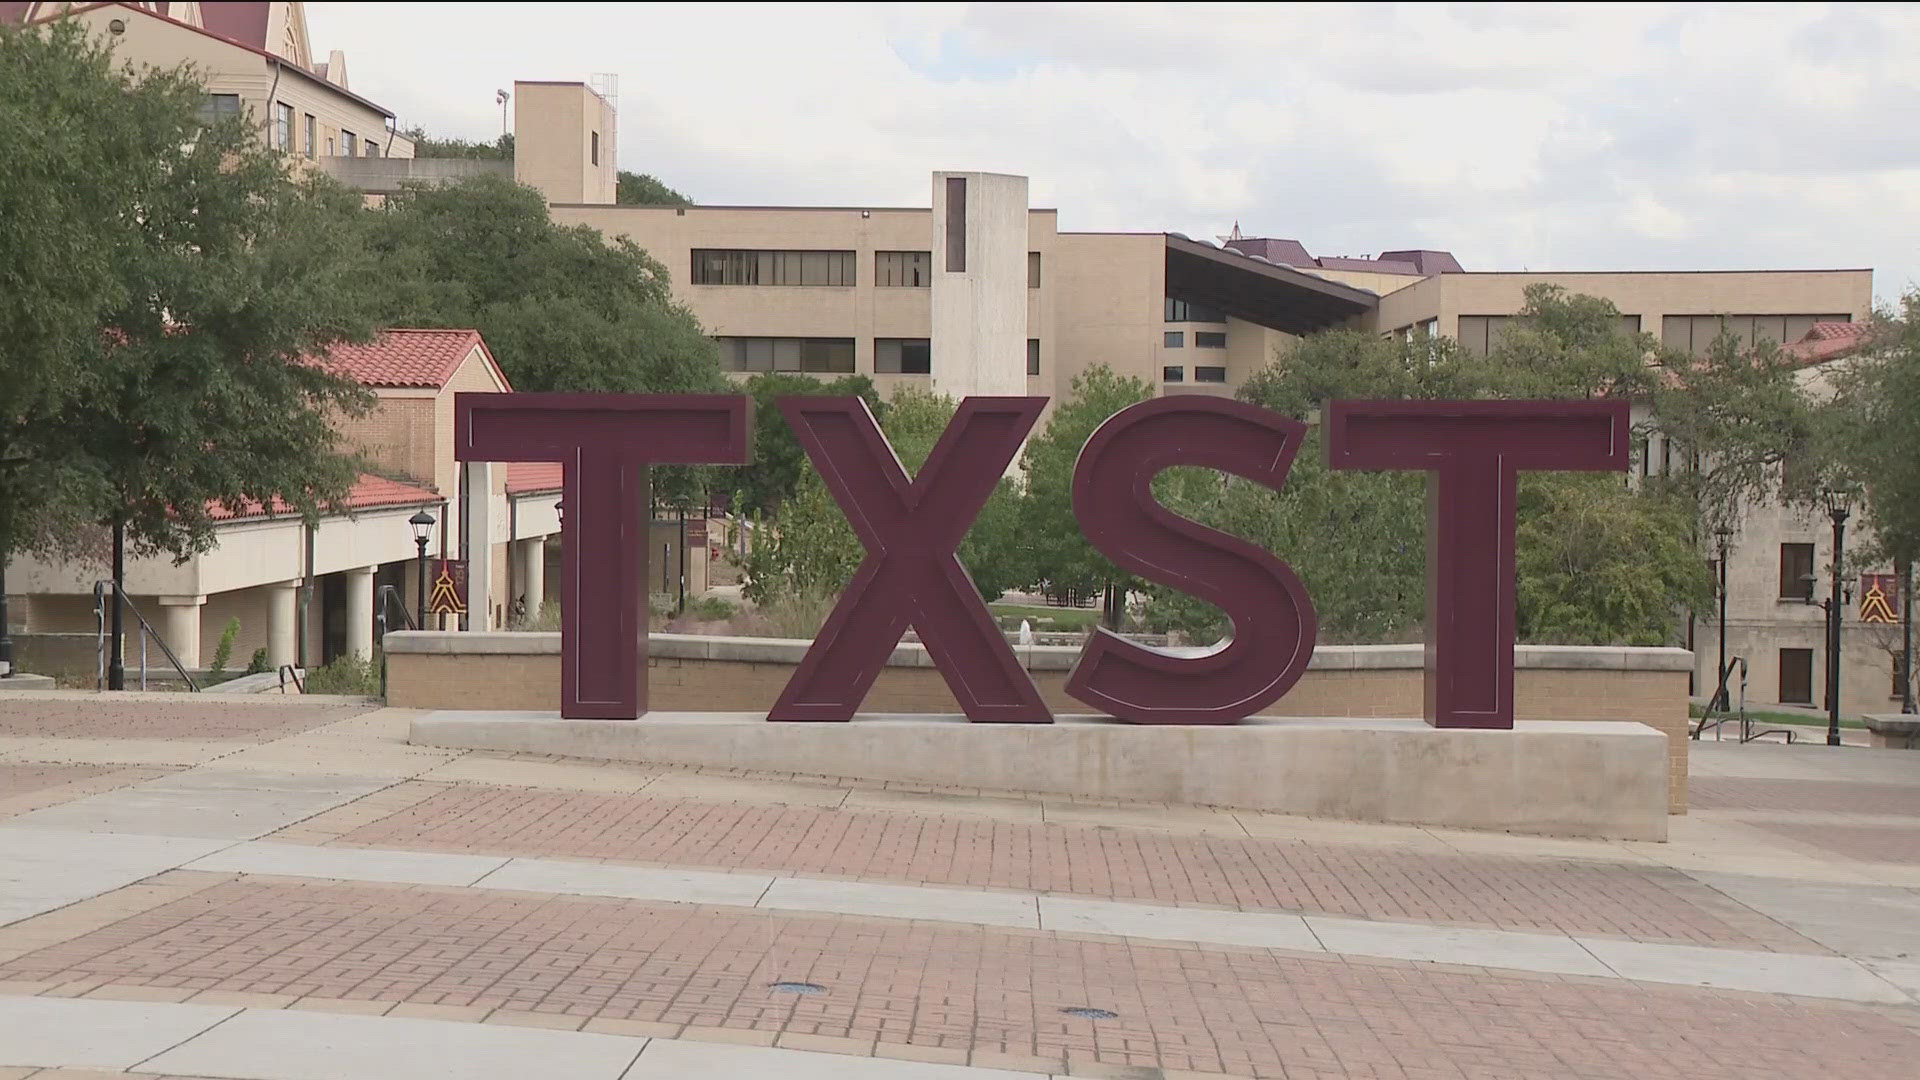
x=280 y=895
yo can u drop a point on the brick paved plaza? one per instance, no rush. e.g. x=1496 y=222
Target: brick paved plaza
x=275 y=888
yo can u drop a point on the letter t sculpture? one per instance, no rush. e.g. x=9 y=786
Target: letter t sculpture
x=1473 y=452
x=605 y=443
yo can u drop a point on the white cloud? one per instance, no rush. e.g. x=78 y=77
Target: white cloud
x=1610 y=136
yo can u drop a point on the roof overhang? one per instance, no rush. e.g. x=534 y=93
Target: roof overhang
x=1260 y=292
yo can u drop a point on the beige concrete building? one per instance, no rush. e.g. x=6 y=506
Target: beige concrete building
x=1779 y=570
x=309 y=595
x=835 y=290
x=257 y=61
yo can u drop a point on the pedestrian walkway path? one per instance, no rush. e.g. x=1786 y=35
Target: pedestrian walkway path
x=301 y=896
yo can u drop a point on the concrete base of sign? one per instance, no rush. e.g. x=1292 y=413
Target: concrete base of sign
x=1559 y=777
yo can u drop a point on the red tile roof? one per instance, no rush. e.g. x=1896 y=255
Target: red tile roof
x=410 y=358
x=1828 y=340
x=528 y=477
x=369 y=492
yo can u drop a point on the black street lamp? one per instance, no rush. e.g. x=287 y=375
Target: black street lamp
x=1725 y=534
x=422 y=523
x=1838 y=509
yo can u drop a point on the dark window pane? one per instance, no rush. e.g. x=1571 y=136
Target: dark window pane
x=1033 y=269
x=1173 y=374
x=956 y=224
x=1209 y=374
x=1174 y=339
x=1796 y=676
x=1796 y=571
x=1033 y=356
x=1209 y=339
x=916 y=357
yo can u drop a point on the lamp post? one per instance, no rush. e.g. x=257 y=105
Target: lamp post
x=1838 y=508
x=422 y=523
x=1725 y=534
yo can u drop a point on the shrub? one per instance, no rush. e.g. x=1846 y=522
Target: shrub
x=349 y=674
x=223 y=652
x=259 y=662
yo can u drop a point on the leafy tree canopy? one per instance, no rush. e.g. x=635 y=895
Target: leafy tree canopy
x=202 y=276
x=1599 y=562
x=560 y=306
x=426 y=146
x=811 y=550
x=1061 y=558
x=644 y=189
x=778 y=463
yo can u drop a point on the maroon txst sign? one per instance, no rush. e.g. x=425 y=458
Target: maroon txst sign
x=912 y=527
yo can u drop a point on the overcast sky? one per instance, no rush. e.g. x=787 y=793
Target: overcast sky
x=1543 y=137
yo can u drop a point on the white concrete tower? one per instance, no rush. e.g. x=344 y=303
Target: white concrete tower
x=979 y=331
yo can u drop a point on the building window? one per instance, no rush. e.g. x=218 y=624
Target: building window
x=1209 y=374
x=373 y=148
x=956 y=224
x=1796 y=676
x=283 y=125
x=1183 y=311
x=593 y=153
x=1173 y=374
x=1209 y=339
x=313 y=132
x=1695 y=334
x=1796 y=571
x=1174 y=339
x=902 y=269
x=329 y=146
x=1480 y=334
x=818 y=355
x=1033 y=356
x=350 y=143
x=902 y=356
x=712 y=266
x=217 y=107
x=1033 y=269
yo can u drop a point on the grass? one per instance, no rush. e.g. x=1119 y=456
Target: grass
x=1045 y=618
x=1768 y=716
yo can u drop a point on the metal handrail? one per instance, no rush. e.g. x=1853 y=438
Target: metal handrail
x=288 y=671
x=100 y=591
x=1707 y=719
x=388 y=595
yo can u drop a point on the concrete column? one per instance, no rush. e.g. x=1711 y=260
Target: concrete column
x=532 y=573
x=360 y=611
x=283 y=611
x=180 y=626
x=979 y=301
x=477 y=504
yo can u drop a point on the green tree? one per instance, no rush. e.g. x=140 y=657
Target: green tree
x=84 y=140
x=1060 y=557
x=1599 y=562
x=560 y=306
x=183 y=381
x=426 y=146
x=810 y=550
x=778 y=463
x=643 y=189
